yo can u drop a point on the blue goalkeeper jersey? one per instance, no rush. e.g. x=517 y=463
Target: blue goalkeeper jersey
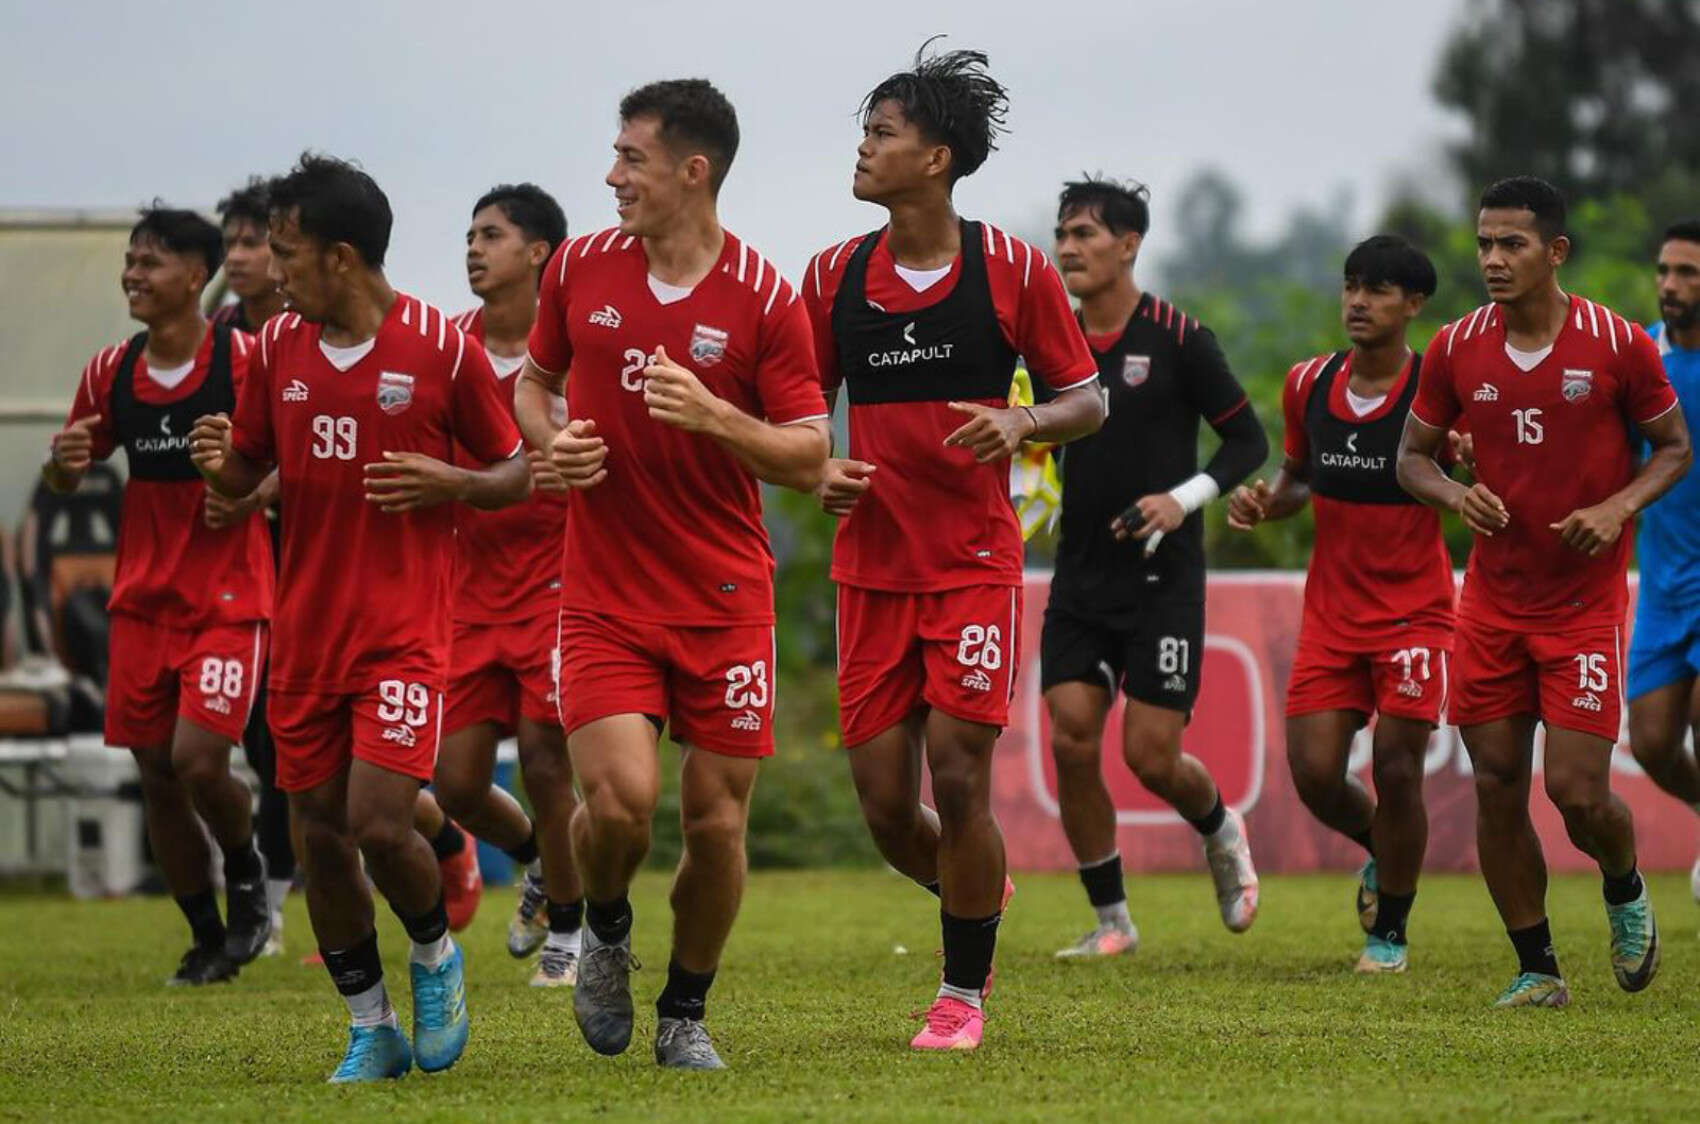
x=1668 y=550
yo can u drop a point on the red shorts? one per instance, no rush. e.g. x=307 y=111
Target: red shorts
x=957 y=650
x=500 y=673
x=161 y=674
x=1409 y=682
x=1571 y=679
x=396 y=725
x=713 y=686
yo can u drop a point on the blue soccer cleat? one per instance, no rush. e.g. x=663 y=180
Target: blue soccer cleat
x=1634 y=942
x=1382 y=956
x=375 y=1053
x=440 y=1022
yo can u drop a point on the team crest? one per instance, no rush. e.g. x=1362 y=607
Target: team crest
x=1135 y=369
x=1577 y=384
x=395 y=391
x=708 y=345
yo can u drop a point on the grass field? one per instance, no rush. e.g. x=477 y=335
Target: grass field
x=810 y=1013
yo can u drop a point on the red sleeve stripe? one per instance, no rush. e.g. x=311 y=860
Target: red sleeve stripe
x=1237 y=407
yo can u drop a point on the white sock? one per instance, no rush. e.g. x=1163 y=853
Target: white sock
x=566 y=942
x=372 y=1007
x=534 y=869
x=1114 y=916
x=972 y=998
x=432 y=953
x=276 y=890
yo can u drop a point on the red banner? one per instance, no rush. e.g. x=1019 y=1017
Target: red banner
x=1251 y=625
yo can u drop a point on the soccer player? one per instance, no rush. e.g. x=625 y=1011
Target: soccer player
x=692 y=380
x=1127 y=601
x=244 y=214
x=190 y=601
x=1664 y=648
x=358 y=395
x=1377 y=626
x=921 y=321
x=1552 y=387
x=506 y=600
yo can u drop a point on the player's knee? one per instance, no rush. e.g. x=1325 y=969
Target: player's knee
x=1653 y=748
x=323 y=844
x=1075 y=745
x=381 y=836
x=717 y=830
x=1398 y=776
x=615 y=810
x=1153 y=759
x=1576 y=796
x=1315 y=781
x=961 y=788
x=459 y=792
x=198 y=768
x=155 y=769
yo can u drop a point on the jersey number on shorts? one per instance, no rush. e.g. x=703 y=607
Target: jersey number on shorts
x=1174 y=655
x=979 y=647
x=1412 y=659
x=1591 y=672
x=221 y=677
x=334 y=438
x=746 y=686
x=407 y=703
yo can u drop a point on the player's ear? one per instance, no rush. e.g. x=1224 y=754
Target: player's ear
x=1131 y=241
x=938 y=160
x=537 y=254
x=1414 y=303
x=1558 y=250
x=698 y=171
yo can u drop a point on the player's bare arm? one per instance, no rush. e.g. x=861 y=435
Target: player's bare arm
x=1421 y=475
x=568 y=458
x=227 y=471
x=69 y=455
x=534 y=391
x=408 y=481
x=791 y=456
x=1593 y=529
x=1261 y=502
x=994 y=433
x=222 y=512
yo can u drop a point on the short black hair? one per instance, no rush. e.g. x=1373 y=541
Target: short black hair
x=181 y=232
x=1688 y=230
x=250 y=203
x=1125 y=208
x=530 y=208
x=1530 y=193
x=335 y=201
x=693 y=115
x=1387 y=259
x=952 y=100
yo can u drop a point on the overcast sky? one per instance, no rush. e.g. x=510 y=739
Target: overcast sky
x=109 y=104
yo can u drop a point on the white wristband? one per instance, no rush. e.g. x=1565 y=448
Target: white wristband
x=1195 y=493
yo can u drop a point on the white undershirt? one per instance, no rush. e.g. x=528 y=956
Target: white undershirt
x=665 y=293
x=1361 y=406
x=505 y=365
x=343 y=358
x=922 y=279
x=171 y=377
x=1527 y=360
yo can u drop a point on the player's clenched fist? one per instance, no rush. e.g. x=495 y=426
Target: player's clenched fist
x=1482 y=511
x=843 y=484
x=991 y=433
x=209 y=444
x=72 y=448
x=544 y=478
x=578 y=454
x=1248 y=505
x=676 y=396
x=1592 y=529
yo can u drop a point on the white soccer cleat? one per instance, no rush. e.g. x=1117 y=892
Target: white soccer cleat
x=1105 y=940
x=1229 y=854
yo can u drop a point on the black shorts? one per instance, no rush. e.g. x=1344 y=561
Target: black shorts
x=1153 y=655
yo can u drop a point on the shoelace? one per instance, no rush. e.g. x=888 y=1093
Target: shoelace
x=947 y=1019
x=556 y=961
x=358 y=1050
x=695 y=1041
x=592 y=970
x=433 y=999
x=531 y=899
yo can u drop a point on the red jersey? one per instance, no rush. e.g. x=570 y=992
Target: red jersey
x=674 y=534
x=933 y=519
x=364 y=595
x=172 y=569
x=1548 y=441
x=506 y=561
x=1379 y=574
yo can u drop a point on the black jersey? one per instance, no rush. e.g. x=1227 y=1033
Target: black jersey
x=1163 y=375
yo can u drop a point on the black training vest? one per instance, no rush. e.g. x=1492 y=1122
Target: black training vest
x=156 y=438
x=1355 y=461
x=949 y=351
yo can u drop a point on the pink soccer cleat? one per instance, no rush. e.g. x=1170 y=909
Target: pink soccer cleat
x=951 y=1025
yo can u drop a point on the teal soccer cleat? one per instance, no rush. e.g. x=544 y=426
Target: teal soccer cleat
x=440 y=1021
x=1534 y=989
x=375 y=1053
x=1634 y=942
x=1369 y=896
x=1382 y=955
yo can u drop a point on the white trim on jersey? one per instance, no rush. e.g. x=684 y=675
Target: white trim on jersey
x=1660 y=414
x=1009 y=645
x=1089 y=379
x=803 y=421
x=254 y=672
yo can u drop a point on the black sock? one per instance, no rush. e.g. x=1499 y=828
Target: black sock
x=1622 y=891
x=201 y=910
x=1363 y=840
x=610 y=921
x=1534 y=949
x=243 y=863
x=1103 y=882
x=1391 y=913
x=686 y=993
x=429 y=926
x=356 y=969
x=968 y=947
x=449 y=842
x=526 y=853
x=931 y=887
x=565 y=917
x=1211 y=823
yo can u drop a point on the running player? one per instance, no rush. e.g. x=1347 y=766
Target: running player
x=1378 y=618
x=245 y=214
x=507 y=594
x=1664 y=648
x=358 y=395
x=921 y=321
x=190 y=601
x=1550 y=385
x=692 y=380
x=1127 y=599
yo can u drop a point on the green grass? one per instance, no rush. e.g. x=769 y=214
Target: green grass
x=810 y=1013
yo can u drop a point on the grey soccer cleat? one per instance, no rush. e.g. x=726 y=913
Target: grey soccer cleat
x=602 y=1001
x=684 y=1044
